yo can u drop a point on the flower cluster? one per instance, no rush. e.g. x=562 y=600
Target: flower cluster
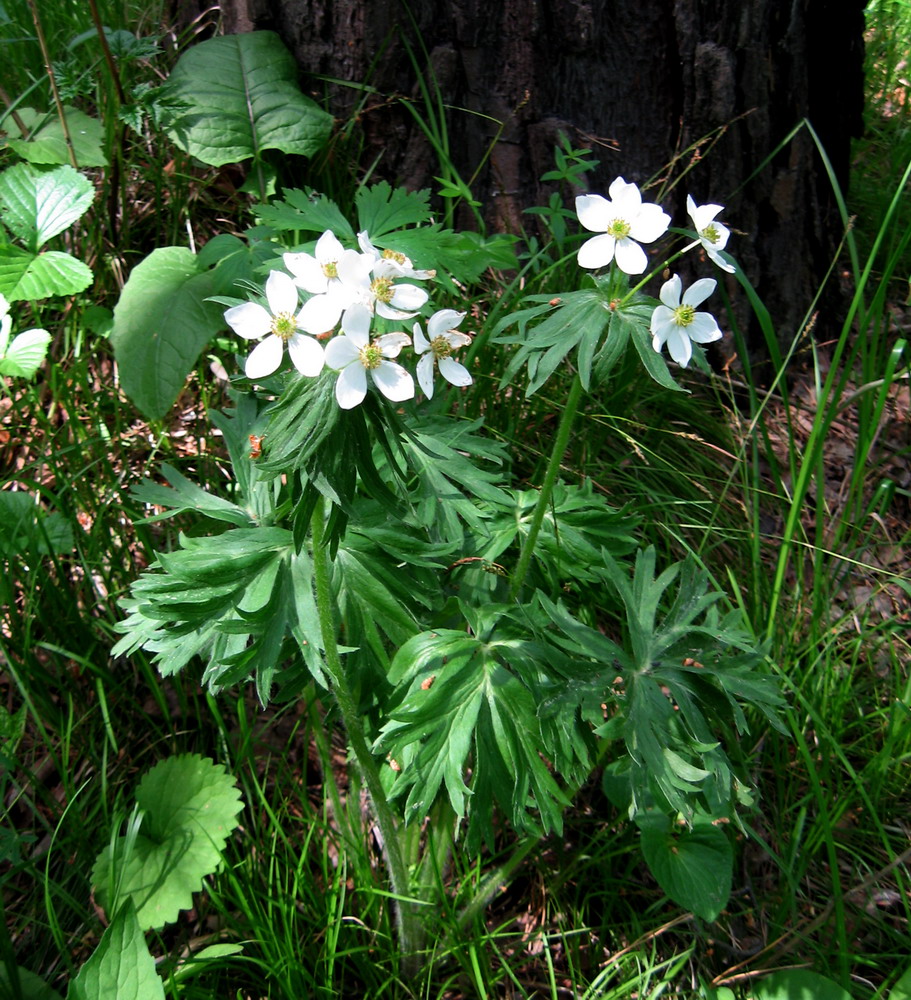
x=347 y=291
x=622 y=223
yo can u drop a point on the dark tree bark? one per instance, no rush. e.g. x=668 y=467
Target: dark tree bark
x=716 y=83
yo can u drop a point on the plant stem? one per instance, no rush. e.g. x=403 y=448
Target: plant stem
x=547 y=487
x=406 y=913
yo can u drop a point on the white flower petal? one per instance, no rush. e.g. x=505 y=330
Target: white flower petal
x=699 y=291
x=408 y=297
x=421 y=343
x=307 y=272
x=249 y=320
x=356 y=323
x=456 y=339
x=425 y=375
x=661 y=318
x=631 y=258
x=328 y=248
x=391 y=343
x=624 y=196
x=703 y=329
x=594 y=212
x=443 y=321
x=650 y=223
x=597 y=252
x=393 y=381
x=265 y=358
x=455 y=373
x=670 y=292
x=715 y=256
x=306 y=354
x=320 y=314
x=351 y=386
x=341 y=352
x=679 y=346
x=281 y=293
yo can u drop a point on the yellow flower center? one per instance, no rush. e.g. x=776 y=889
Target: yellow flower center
x=399 y=258
x=711 y=234
x=371 y=356
x=284 y=325
x=684 y=315
x=382 y=289
x=441 y=347
x=619 y=229
x=330 y=269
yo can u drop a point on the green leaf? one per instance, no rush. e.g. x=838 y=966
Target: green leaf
x=32 y=987
x=46 y=143
x=121 y=966
x=797 y=984
x=305 y=211
x=38 y=204
x=382 y=209
x=25 y=354
x=183 y=495
x=190 y=807
x=242 y=98
x=26 y=276
x=161 y=324
x=693 y=866
x=902 y=989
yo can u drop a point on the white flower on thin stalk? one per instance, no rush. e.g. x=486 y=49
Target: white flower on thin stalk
x=400 y=262
x=622 y=222
x=712 y=235
x=676 y=323
x=373 y=281
x=353 y=355
x=280 y=326
x=437 y=347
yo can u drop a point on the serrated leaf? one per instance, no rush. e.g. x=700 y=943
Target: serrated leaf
x=121 y=966
x=305 y=211
x=183 y=495
x=190 y=806
x=243 y=97
x=37 y=204
x=25 y=354
x=382 y=209
x=43 y=275
x=46 y=143
x=693 y=866
x=797 y=984
x=161 y=324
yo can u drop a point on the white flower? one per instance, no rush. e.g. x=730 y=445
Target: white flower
x=317 y=274
x=712 y=235
x=372 y=281
x=676 y=322
x=438 y=345
x=353 y=354
x=622 y=221
x=279 y=327
x=399 y=262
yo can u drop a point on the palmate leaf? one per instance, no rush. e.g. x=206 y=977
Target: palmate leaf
x=236 y=600
x=189 y=807
x=685 y=671
x=183 y=495
x=305 y=211
x=474 y=696
x=383 y=209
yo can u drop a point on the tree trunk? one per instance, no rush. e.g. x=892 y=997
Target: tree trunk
x=695 y=94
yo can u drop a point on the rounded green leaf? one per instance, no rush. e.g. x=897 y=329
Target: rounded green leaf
x=46 y=142
x=37 y=204
x=241 y=96
x=161 y=324
x=693 y=866
x=797 y=984
x=25 y=354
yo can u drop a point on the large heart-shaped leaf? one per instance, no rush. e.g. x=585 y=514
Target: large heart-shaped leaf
x=161 y=324
x=240 y=96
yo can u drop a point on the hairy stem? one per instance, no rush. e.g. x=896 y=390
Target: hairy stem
x=407 y=920
x=547 y=487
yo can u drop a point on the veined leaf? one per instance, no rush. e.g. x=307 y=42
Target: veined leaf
x=37 y=204
x=382 y=209
x=46 y=142
x=242 y=97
